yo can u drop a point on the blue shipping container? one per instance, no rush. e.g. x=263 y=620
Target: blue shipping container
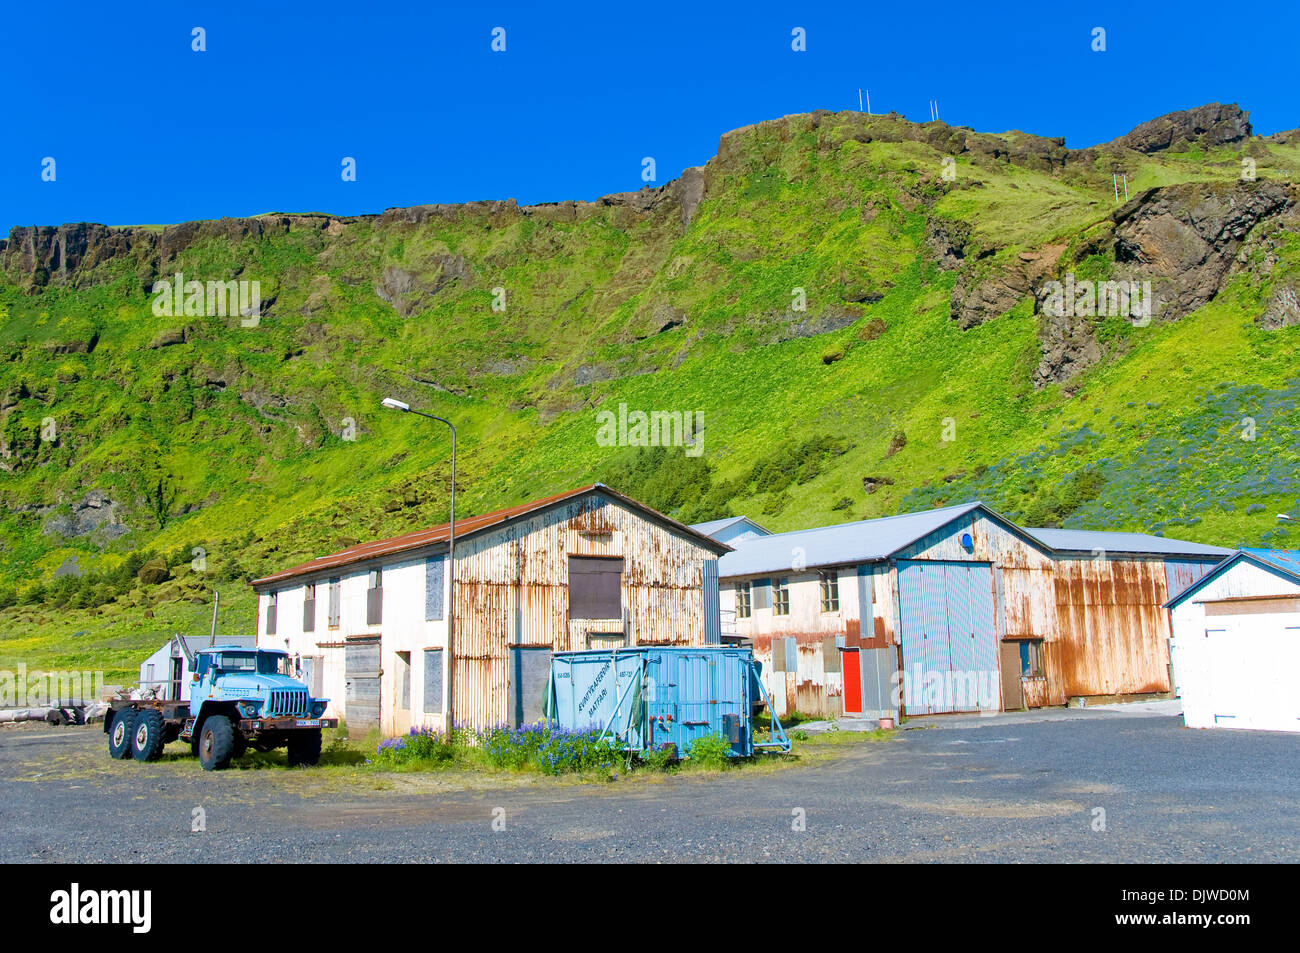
x=649 y=696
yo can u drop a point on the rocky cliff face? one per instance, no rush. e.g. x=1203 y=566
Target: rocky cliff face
x=1211 y=125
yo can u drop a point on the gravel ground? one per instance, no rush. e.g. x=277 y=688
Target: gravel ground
x=992 y=789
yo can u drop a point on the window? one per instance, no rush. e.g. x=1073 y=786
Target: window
x=744 y=600
x=762 y=594
x=781 y=596
x=595 y=587
x=404 y=681
x=336 y=600
x=1031 y=665
x=434 y=582
x=830 y=585
x=309 y=607
x=272 y=602
x=375 y=598
x=432 y=681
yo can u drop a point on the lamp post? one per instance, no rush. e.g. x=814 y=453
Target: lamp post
x=405 y=408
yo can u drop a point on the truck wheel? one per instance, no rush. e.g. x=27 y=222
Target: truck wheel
x=304 y=746
x=121 y=732
x=149 y=737
x=216 y=742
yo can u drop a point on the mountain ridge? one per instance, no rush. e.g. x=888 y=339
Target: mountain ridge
x=859 y=308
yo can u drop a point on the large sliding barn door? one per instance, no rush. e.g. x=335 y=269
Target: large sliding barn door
x=950 y=653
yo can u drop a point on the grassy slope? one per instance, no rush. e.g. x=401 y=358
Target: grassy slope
x=790 y=206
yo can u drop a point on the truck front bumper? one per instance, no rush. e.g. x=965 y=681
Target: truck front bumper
x=284 y=723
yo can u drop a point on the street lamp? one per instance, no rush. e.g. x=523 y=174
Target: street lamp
x=405 y=408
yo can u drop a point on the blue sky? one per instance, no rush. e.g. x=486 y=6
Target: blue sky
x=145 y=130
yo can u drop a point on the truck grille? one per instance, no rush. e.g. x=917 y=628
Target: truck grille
x=286 y=702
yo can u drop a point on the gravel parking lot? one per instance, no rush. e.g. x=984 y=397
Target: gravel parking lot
x=998 y=789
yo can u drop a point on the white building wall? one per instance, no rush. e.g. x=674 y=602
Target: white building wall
x=810 y=686
x=403 y=629
x=1236 y=651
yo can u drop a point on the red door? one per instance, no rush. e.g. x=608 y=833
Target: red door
x=852 y=681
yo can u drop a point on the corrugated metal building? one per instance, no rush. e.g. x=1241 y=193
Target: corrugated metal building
x=585 y=569
x=962 y=608
x=1236 y=643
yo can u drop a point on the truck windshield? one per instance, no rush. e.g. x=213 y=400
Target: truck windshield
x=269 y=663
x=236 y=662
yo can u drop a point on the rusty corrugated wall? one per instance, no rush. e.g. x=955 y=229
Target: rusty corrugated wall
x=1112 y=634
x=512 y=590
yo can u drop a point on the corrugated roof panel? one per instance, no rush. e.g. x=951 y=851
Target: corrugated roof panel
x=1086 y=541
x=844 y=544
x=1287 y=560
x=713 y=527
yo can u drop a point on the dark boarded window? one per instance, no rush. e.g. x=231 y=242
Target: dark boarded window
x=375 y=598
x=309 y=607
x=272 y=605
x=595 y=588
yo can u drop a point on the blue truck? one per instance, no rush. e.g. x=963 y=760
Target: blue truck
x=240 y=698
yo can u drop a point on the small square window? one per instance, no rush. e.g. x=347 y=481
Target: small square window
x=830 y=586
x=744 y=600
x=781 y=596
x=1030 y=659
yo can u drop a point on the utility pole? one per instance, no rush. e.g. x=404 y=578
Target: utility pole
x=216 y=601
x=450 y=682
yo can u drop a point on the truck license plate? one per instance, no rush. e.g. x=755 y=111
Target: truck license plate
x=308 y=722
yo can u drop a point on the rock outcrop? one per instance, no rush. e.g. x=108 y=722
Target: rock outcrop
x=1214 y=124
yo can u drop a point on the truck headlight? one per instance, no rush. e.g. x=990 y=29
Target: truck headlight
x=318 y=707
x=248 y=709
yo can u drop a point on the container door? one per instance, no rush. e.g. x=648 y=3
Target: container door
x=849 y=661
x=695 y=694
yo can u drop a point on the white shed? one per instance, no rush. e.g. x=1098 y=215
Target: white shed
x=1236 y=643
x=167 y=671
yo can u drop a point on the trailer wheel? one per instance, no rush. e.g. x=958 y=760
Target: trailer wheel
x=216 y=742
x=304 y=747
x=121 y=732
x=149 y=737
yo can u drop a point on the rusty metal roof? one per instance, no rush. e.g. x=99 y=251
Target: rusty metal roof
x=475 y=524
x=879 y=539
